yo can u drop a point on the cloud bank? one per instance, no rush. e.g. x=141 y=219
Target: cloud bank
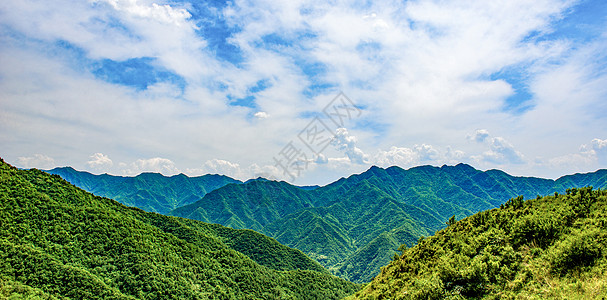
x=127 y=86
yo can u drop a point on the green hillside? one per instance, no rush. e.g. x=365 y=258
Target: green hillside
x=58 y=241
x=545 y=248
x=151 y=192
x=354 y=225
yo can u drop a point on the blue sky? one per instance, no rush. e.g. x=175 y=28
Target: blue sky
x=131 y=86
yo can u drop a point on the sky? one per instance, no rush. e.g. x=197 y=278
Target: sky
x=303 y=91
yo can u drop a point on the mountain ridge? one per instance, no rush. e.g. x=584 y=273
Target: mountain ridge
x=348 y=214
x=149 y=191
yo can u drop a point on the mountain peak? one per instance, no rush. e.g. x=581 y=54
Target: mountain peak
x=460 y=167
x=257 y=179
x=375 y=170
x=66 y=168
x=151 y=176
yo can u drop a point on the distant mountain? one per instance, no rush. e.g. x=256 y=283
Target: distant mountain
x=151 y=192
x=354 y=225
x=60 y=242
x=544 y=248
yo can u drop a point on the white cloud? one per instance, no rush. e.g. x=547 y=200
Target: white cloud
x=503 y=150
x=426 y=152
x=597 y=145
x=479 y=136
x=422 y=71
x=589 y=155
x=345 y=142
x=500 y=150
x=267 y=171
x=234 y=170
x=399 y=156
x=99 y=161
x=454 y=156
x=321 y=159
x=418 y=154
x=220 y=166
x=261 y=115
x=39 y=161
x=597 y=149
x=568 y=161
x=156 y=165
x=160 y=13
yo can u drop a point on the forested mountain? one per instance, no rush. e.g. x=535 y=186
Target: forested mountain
x=354 y=225
x=58 y=241
x=545 y=248
x=151 y=192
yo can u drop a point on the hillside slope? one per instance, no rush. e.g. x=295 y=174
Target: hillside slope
x=339 y=224
x=58 y=241
x=151 y=192
x=546 y=248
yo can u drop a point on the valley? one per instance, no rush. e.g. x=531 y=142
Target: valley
x=352 y=226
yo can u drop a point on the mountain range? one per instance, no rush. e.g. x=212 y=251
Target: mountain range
x=59 y=242
x=151 y=192
x=354 y=225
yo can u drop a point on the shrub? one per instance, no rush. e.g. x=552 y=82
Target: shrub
x=542 y=230
x=575 y=252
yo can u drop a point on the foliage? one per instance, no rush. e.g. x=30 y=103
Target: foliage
x=57 y=241
x=339 y=224
x=547 y=247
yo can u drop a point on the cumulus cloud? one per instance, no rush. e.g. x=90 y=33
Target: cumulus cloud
x=454 y=156
x=224 y=167
x=399 y=156
x=261 y=115
x=345 y=142
x=596 y=145
x=160 y=13
x=479 y=135
x=597 y=148
x=156 y=165
x=589 y=156
x=99 y=161
x=568 y=161
x=235 y=170
x=418 y=154
x=39 y=161
x=321 y=159
x=426 y=152
x=503 y=151
x=267 y=171
x=500 y=150
x=425 y=72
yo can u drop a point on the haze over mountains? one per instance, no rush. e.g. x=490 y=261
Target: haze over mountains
x=352 y=226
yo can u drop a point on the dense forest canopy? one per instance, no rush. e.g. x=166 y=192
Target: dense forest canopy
x=57 y=240
x=352 y=226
